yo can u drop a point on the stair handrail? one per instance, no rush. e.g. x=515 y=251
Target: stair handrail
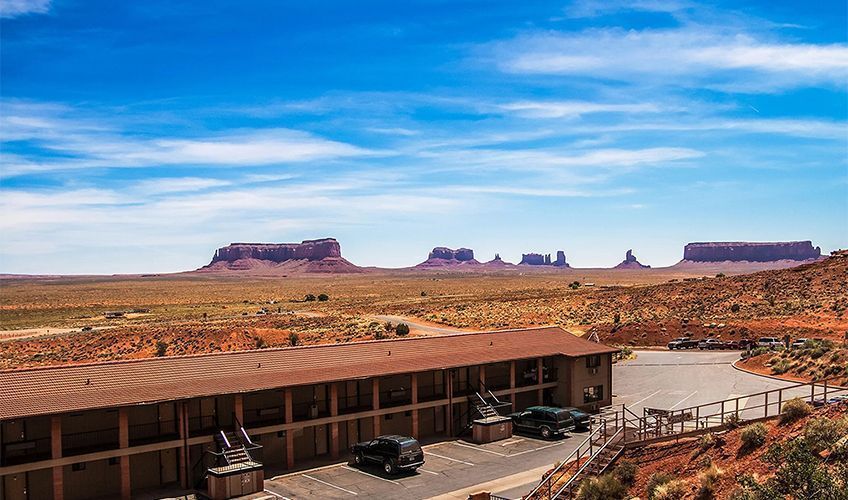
x=569 y=482
x=245 y=435
x=576 y=454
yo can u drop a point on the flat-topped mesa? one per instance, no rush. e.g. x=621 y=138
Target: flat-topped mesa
x=630 y=262
x=460 y=254
x=750 y=251
x=312 y=250
x=537 y=259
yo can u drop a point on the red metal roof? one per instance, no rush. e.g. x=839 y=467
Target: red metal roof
x=61 y=389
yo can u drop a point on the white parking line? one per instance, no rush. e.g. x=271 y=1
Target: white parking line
x=370 y=475
x=307 y=476
x=449 y=458
x=511 y=441
x=645 y=398
x=481 y=449
x=276 y=495
x=537 y=449
x=428 y=471
x=684 y=399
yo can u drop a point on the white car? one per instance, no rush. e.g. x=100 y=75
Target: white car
x=799 y=343
x=770 y=342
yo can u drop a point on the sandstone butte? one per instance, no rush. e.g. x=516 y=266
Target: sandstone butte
x=750 y=252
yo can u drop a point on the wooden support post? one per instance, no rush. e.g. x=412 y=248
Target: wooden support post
x=375 y=404
x=414 y=383
x=238 y=408
x=182 y=451
x=482 y=382
x=124 y=442
x=767 y=405
x=289 y=411
x=450 y=402
x=512 y=384
x=334 y=427
x=56 y=452
x=540 y=379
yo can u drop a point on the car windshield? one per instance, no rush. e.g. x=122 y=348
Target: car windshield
x=410 y=447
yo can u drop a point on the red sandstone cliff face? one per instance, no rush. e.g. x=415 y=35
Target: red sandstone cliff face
x=310 y=256
x=750 y=252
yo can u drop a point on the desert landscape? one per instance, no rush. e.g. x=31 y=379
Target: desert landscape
x=309 y=294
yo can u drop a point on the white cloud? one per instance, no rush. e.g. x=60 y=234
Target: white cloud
x=15 y=8
x=569 y=109
x=593 y=8
x=692 y=55
x=177 y=185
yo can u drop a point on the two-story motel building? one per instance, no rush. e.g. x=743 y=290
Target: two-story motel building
x=117 y=428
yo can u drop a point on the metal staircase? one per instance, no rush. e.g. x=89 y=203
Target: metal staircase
x=234 y=451
x=482 y=403
x=616 y=428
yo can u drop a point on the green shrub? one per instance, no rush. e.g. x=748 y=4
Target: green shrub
x=782 y=366
x=706 y=441
x=260 y=342
x=822 y=433
x=309 y=298
x=161 y=348
x=709 y=480
x=656 y=480
x=323 y=297
x=293 y=339
x=605 y=487
x=673 y=490
x=402 y=329
x=625 y=472
x=753 y=436
x=793 y=410
x=732 y=420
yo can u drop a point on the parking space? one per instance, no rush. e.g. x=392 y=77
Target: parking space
x=449 y=466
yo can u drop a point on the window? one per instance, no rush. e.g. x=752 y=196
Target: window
x=114 y=461
x=593 y=393
x=593 y=361
x=78 y=467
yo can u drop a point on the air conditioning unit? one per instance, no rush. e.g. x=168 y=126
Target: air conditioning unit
x=593 y=371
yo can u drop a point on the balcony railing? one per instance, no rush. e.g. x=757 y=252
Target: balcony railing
x=269 y=415
x=203 y=425
x=153 y=432
x=26 y=451
x=90 y=441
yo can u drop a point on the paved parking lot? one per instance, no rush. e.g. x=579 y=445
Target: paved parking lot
x=510 y=468
x=679 y=379
x=449 y=467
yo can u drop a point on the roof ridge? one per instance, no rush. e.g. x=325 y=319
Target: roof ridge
x=270 y=349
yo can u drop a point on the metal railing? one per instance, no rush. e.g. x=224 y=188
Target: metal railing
x=563 y=474
x=620 y=424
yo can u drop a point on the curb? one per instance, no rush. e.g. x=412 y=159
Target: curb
x=836 y=387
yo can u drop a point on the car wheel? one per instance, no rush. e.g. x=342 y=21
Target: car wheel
x=389 y=467
x=359 y=459
x=546 y=432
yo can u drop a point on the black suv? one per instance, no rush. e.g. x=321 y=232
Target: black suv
x=682 y=343
x=394 y=453
x=546 y=420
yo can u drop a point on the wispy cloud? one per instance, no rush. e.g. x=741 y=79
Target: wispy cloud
x=570 y=109
x=15 y=8
x=689 y=56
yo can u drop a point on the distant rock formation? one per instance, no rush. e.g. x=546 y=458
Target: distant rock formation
x=532 y=259
x=750 y=252
x=442 y=257
x=537 y=259
x=630 y=262
x=310 y=256
x=460 y=254
x=560 y=260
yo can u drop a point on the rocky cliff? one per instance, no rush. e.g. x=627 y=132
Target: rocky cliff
x=537 y=259
x=310 y=256
x=441 y=257
x=460 y=254
x=630 y=262
x=750 y=252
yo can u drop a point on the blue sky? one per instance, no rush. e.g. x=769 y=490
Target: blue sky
x=140 y=136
